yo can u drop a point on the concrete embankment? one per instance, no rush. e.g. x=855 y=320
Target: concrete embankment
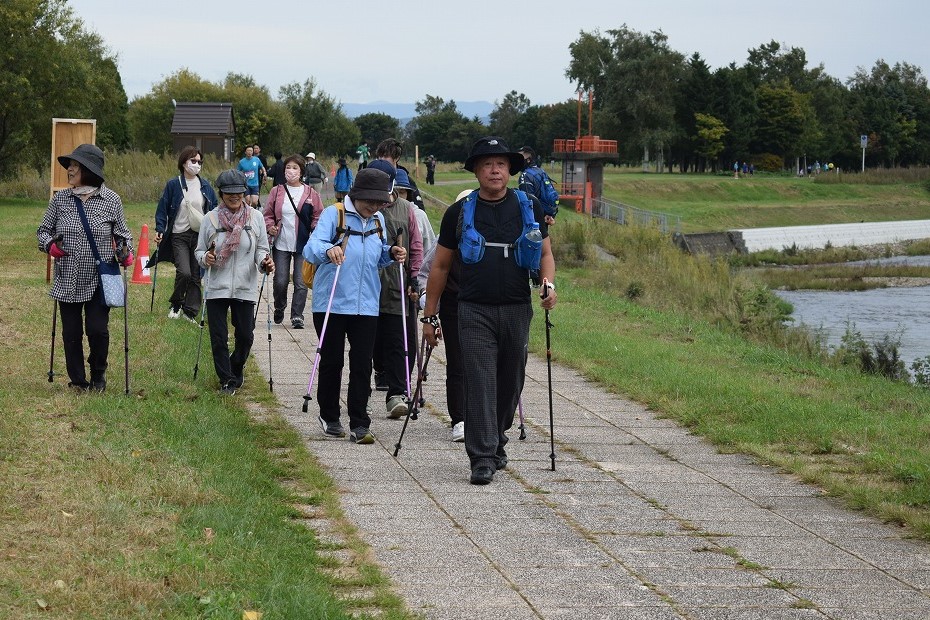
x=837 y=235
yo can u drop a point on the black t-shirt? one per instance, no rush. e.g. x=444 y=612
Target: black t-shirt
x=495 y=280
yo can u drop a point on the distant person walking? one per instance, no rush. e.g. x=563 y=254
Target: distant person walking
x=431 y=170
x=252 y=168
x=314 y=173
x=363 y=155
x=342 y=182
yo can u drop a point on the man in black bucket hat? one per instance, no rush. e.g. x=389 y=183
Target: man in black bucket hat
x=494 y=297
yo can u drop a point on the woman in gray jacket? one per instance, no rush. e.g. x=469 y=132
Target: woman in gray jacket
x=233 y=247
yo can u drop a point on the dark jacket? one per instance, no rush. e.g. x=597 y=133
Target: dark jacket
x=168 y=207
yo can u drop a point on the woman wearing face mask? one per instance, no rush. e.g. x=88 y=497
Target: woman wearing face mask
x=177 y=221
x=291 y=213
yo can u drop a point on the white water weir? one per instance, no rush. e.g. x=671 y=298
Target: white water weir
x=836 y=235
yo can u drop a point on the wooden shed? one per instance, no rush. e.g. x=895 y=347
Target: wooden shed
x=208 y=126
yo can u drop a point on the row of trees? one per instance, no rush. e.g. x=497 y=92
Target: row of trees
x=772 y=110
x=658 y=105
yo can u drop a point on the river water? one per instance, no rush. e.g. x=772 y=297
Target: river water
x=900 y=312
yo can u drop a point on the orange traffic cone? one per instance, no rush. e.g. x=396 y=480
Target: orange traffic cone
x=140 y=274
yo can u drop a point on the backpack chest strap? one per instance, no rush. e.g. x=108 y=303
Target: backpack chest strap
x=505 y=246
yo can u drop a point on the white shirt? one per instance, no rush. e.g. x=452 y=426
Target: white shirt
x=287 y=229
x=193 y=198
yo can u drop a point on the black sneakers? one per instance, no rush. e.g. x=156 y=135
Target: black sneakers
x=361 y=435
x=483 y=474
x=331 y=429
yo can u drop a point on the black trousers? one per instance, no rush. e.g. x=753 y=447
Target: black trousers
x=186 y=294
x=389 y=351
x=241 y=314
x=494 y=348
x=94 y=317
x=455 y=371
x=360 y=332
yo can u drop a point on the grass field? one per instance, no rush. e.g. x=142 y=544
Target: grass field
x=168 y=502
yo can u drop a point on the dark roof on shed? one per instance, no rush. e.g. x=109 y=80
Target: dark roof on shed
x=203 y=118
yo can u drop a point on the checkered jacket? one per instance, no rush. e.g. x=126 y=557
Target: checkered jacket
x=76 y=274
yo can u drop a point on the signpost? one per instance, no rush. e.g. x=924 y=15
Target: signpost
x=863 y=142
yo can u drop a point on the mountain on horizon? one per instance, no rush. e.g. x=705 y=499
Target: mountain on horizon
x=406 y=111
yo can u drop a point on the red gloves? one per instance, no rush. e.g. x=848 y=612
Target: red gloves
x=55 y=251
x=128 y=260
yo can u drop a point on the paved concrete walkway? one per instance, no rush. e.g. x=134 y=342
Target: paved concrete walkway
x=641 y=520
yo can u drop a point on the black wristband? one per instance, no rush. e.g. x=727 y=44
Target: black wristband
x=431 y=320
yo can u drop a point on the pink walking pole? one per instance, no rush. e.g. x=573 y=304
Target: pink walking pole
x=319 y=347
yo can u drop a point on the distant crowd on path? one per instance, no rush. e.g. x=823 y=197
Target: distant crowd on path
x=372 y=256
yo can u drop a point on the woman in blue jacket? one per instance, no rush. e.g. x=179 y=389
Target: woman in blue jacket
x=342 y=181
x=355 y=299
x=183 y=204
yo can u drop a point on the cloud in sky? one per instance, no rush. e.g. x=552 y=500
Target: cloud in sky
x=399 y=52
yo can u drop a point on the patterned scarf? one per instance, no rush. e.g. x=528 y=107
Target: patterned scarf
x=233 y=224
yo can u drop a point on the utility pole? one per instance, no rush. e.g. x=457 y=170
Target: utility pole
x=863 y=142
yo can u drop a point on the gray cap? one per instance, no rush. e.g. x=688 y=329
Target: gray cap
x=231 y=182
x=88 y=155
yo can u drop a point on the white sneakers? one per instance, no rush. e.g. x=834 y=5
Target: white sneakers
x=458 y=432
x=174 y=313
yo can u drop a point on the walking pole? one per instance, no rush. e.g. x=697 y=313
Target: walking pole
x=261 y=289
x=51 y=360
x=403 y=317
x=268 y=317
x=153 y=259
x=421 y=375
x=319 y=346
x=549 y=368
x=522 y=426
x=203 y=312
x=412 y=412
x=125 y=327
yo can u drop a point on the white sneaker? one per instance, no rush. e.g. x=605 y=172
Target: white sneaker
x=174 y=314
x=458 y=432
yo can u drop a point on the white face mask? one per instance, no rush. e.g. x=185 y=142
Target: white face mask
x=192 y=168
x=291 y=175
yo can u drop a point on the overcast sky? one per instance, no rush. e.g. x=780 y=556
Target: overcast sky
x=362 y=51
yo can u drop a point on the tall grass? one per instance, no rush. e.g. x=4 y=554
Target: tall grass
x=838 y=277
x=646 y=267
x=875 y=176
x=136 y=176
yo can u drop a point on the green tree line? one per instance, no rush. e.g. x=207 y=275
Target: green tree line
x=662 y=107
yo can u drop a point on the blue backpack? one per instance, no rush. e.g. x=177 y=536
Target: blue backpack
x=547 y=194
x=527 y=251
